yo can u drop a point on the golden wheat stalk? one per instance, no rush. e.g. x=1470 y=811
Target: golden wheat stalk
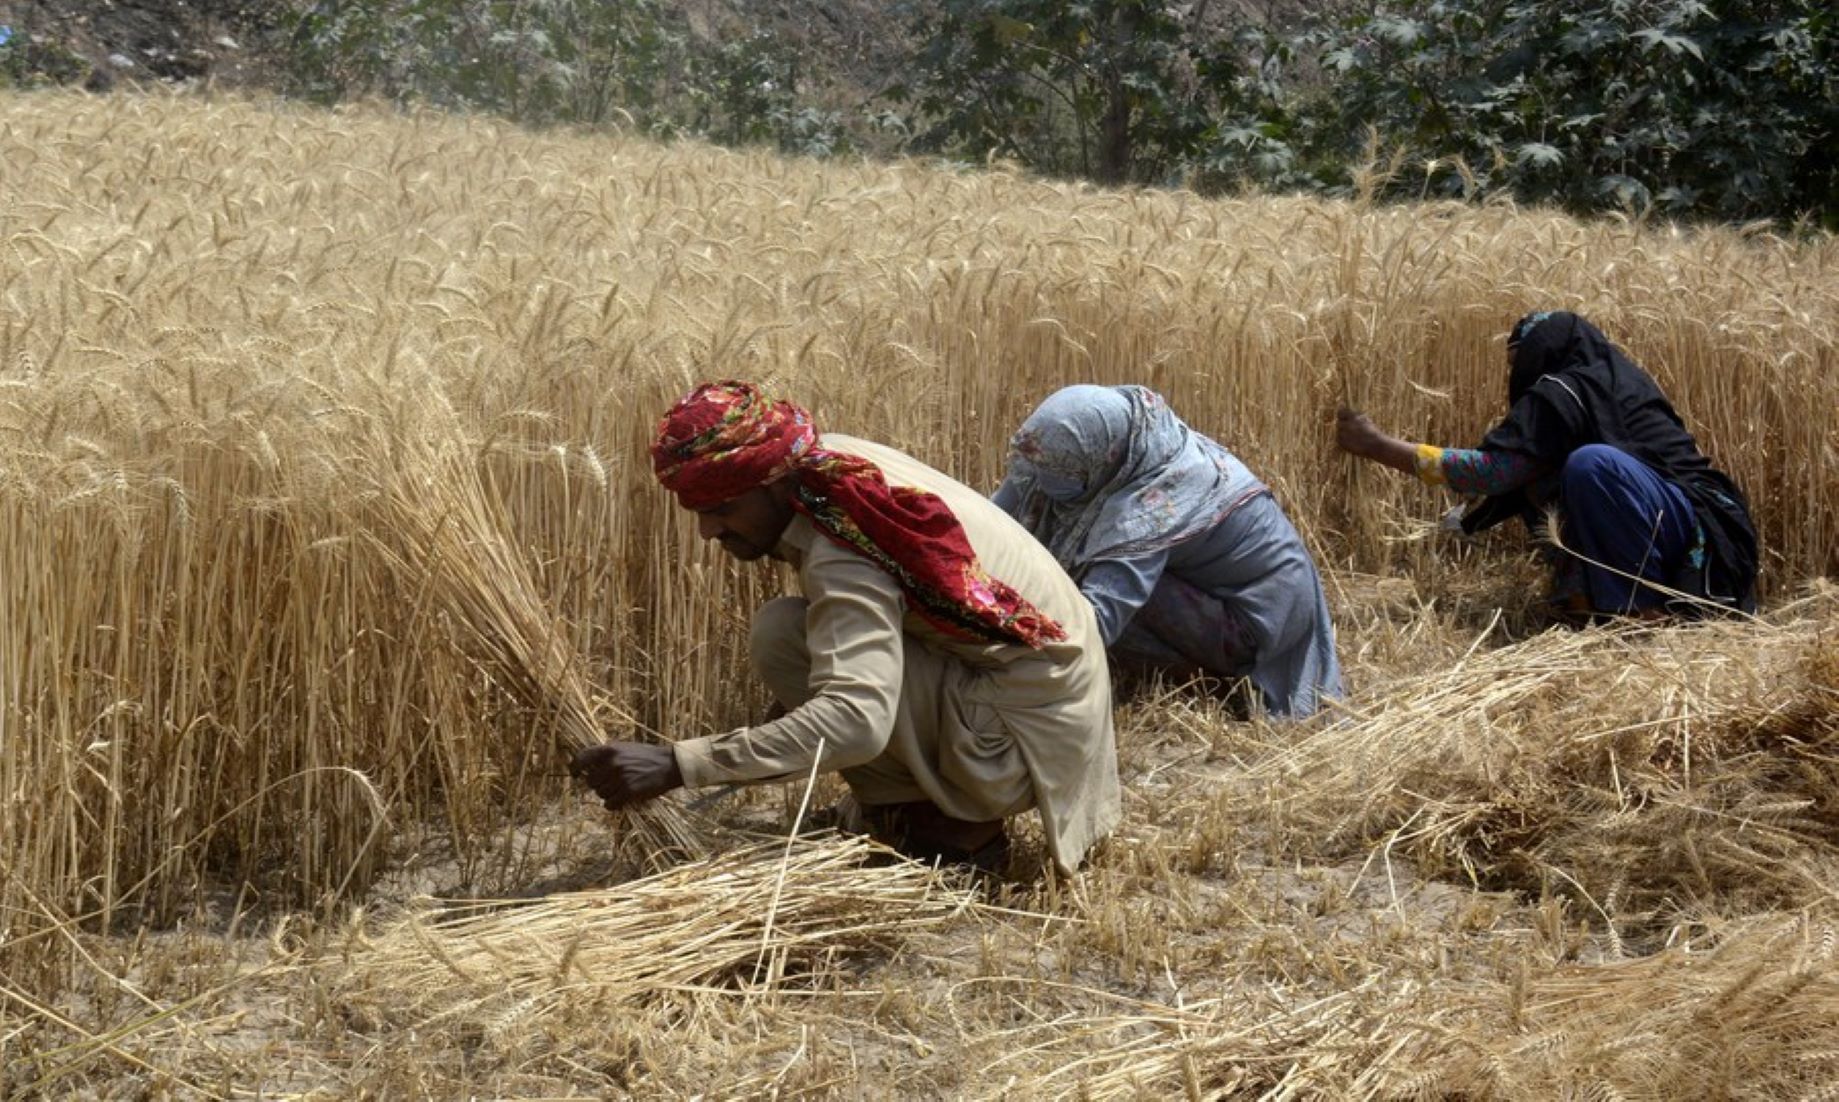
x=454 y=535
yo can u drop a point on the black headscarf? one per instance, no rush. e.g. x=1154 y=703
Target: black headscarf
x=1569 y=387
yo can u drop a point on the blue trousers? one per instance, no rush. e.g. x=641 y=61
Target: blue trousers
x=1623 y=519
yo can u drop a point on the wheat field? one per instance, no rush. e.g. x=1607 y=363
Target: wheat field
x=327 y=530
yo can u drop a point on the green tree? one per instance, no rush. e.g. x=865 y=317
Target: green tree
x=1115 y=90
x=750 y=89
x=536 y=61
x=563 y=61
x=1723 y=108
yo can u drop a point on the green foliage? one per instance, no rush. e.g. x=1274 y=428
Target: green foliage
x=29 y=61
x=747 y=91
x=1113 y=89
x=542 y=61
x=1698 y=108
x=1721 y=109
x=1702 y=108
x=560 y=61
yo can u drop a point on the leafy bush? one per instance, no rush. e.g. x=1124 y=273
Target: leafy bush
x=748 y=91
x=1704 y=108
x=551 y=61
x=1725 y=109
x=28 y=61
x=562 y=61
x=1113 y=89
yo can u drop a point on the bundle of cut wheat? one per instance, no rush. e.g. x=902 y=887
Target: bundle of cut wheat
x=1750 y=1018
x=1648 y=771
x=1754 y=1017
x=1258 y=1043
x=749 y=917
x=453 y=534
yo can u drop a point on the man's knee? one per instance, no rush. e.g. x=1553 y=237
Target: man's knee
x=777 y=647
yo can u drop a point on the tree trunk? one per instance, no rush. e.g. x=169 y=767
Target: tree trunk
x=1114 y=134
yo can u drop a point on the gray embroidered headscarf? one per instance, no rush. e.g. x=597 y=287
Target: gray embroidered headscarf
x=1110 y=472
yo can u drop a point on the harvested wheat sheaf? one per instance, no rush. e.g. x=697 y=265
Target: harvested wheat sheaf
x=1751 y=1018
x=455 y=534
x=749 y=918
x=1652 y=772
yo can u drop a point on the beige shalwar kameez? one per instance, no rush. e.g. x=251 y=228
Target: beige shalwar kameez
x=906 y=712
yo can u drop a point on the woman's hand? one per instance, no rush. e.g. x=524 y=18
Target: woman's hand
x=1356 y=434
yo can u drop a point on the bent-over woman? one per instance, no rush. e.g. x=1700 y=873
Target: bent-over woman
x=1652 y=526
x=1189 y=563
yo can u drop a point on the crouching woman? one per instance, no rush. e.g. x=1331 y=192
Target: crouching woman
x=1650 y=526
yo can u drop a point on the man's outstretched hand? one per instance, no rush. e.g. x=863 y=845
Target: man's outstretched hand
x=626 y=773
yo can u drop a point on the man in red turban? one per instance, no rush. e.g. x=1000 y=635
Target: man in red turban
x=939 y=657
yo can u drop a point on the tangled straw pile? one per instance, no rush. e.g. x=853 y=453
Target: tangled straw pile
x=1652 y=772
x=751 y=918
x=1755 y=1017
x=1752 y=1018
